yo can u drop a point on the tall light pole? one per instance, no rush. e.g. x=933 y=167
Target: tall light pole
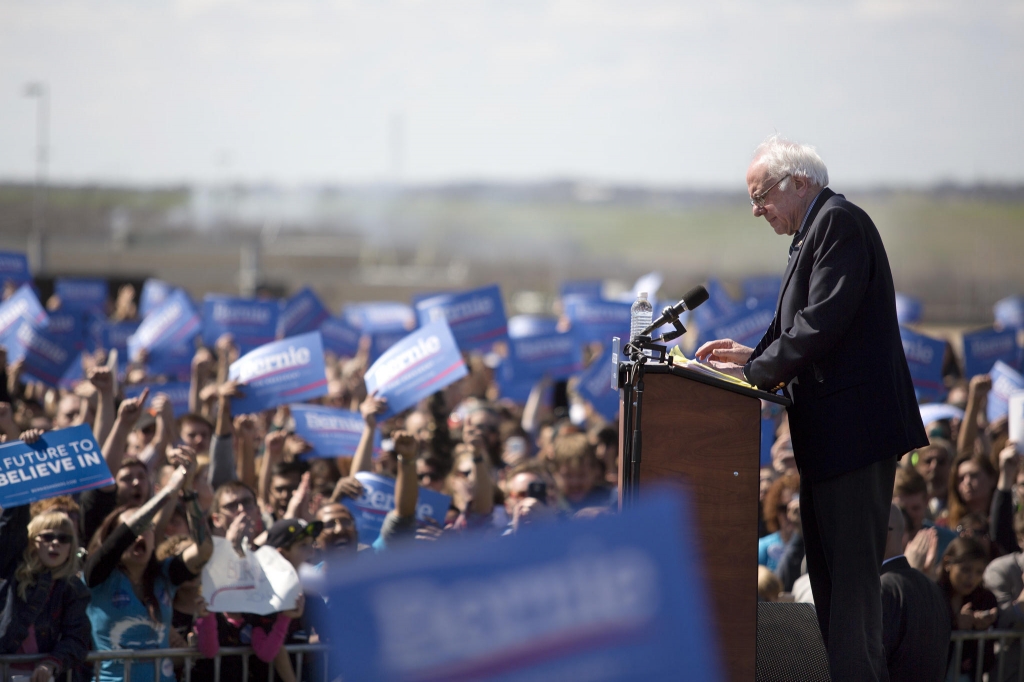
x=38 y=91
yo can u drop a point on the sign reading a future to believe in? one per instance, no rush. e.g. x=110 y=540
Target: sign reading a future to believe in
x=59 y=463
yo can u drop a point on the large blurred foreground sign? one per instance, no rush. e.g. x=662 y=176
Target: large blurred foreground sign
x=616 y=598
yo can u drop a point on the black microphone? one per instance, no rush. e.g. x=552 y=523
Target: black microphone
x=691 y=299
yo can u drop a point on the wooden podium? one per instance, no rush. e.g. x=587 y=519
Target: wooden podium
x=705 y=433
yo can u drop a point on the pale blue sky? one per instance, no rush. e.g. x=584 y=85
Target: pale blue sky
x=669 y=92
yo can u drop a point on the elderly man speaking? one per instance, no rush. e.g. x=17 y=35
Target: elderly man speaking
x=834 y=348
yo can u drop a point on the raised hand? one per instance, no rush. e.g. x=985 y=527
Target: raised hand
x=298 y=506
x=923 y=550
x=294 y=446
x=202 y=360
x=406 y=445
x=162 y=406
x=229 y=389
x=185 y=458
x=241 y=527
x=130 y=409
x=372 y=407
x=274 y=445
x=102 y=379
x=349 y=486
x=31 y=436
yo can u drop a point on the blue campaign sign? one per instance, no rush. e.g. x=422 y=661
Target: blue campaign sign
x=82 y=294
x=1009 y=312
x=61 y=462
x=908 y=309
x=109 y=335
x=381 y=341
x=620 y=597
x=339 y=337
x=982 y=349
x=302 y=313
x=924 y=356
x=331 y=432
x=588 y=288
x=521 y=326
x=69 y=327
x=558 y=356
x=252 y=322
x=170 y=326
x=419 y=365
x=719 y=306
x=476 y=318
x=378 y=499
x=287 y=371
x=380 y=316
x=933 y=412
x=154 y=292
x=14 y=268
x=767 y=441
x=174 y=364
x=176 y=392
x=595 y=386
x=762 y=287
x=23 y=305
x=46 y=357
x=597 y=320
x=1005 y=380
x=747 y=324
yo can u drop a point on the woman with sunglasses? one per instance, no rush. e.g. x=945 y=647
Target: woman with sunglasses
x=42 y=603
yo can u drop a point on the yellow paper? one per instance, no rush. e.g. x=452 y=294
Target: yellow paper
x=682 y=361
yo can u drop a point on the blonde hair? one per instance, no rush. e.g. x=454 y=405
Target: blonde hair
x=31 y=566
x=768 y=584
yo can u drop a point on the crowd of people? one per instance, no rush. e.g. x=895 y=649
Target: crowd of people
x=954 y=558
x=120 y=567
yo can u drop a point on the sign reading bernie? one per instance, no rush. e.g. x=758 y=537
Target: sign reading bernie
x=331 y=432
x=59 y=463
x=250 y=321
x=476 y=318
x=420 y=364
x=378 y=499
x=924 y=357
x=620 y=597
x=291 y=370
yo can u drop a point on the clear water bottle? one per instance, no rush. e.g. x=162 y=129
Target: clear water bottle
x=640 y=316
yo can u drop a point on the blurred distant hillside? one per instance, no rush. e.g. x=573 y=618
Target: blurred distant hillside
x=957 y=248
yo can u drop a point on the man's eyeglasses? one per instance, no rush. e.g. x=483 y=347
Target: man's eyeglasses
x=60 y=538
x=758 y=199
x=242 y=503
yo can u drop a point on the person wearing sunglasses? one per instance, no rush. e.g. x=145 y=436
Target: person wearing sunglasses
x=42 y=603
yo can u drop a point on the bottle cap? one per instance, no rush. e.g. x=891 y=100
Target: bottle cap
x=643 y=295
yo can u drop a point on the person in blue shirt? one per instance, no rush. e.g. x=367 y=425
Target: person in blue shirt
x=782 y=517
x=131 y=592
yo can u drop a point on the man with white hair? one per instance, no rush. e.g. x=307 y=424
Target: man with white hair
x=834 y=348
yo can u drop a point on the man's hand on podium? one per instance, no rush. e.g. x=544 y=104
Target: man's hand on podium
x=724 y=351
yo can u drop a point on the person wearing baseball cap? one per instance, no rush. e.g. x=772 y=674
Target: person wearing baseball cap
x=293 y=538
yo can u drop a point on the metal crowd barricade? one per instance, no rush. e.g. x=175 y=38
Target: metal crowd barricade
x=130 y=656
x=960 y=638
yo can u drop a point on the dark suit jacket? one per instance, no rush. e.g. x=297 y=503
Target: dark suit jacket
x=835 y=348
x=915 y=624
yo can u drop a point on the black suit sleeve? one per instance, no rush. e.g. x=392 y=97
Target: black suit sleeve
x=892 y=617
x=838 y=280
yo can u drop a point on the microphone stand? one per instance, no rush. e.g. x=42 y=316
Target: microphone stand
x=635 y=350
